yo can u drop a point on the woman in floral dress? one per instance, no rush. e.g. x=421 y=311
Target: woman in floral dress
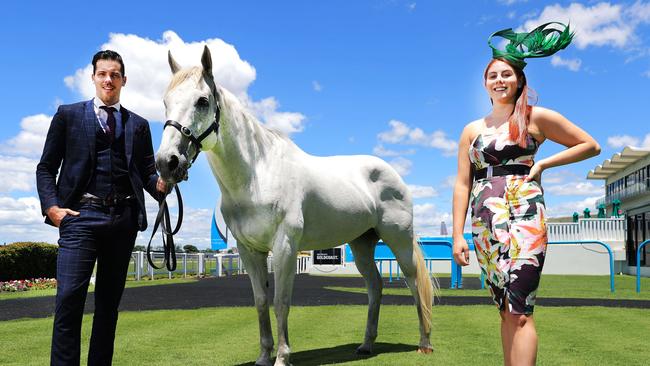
x=500 y=180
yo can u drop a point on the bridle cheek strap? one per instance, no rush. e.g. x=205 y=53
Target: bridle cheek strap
x=214 y=127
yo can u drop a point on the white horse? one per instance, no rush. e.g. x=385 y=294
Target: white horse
x=277 y=198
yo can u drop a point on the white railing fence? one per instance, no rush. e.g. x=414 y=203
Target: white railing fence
x=199 y=264
x=612 y=229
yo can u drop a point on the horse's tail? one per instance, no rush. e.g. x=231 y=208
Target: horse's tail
x=426 y=288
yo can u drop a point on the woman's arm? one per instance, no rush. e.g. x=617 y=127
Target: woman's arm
x=461 y=198
x=555 y=127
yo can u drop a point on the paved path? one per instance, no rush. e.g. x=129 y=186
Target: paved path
x=236 y=291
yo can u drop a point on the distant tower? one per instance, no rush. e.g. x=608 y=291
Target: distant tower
x=443 y=229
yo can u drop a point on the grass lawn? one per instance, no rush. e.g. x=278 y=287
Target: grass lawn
x=574 y=286
x=91 y=288
x=463 y=335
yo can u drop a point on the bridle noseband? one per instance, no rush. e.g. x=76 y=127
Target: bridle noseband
x=214 y=126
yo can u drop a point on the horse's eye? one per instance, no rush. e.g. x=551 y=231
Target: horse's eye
x=202 y=102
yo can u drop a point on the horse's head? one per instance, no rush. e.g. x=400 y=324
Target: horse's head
x=192 y=111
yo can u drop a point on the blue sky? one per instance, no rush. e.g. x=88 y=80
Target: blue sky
x=397 y=79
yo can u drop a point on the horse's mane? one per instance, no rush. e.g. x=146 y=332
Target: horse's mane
x=185 y=74
x=266 y=136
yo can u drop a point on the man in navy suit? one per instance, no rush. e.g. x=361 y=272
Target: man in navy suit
x=105 y=156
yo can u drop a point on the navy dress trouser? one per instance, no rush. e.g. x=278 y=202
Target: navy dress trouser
x=106 y=235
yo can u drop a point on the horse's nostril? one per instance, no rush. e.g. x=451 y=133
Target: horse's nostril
x=173 y=163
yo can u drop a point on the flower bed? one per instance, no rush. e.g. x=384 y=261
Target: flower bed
x=26 y=285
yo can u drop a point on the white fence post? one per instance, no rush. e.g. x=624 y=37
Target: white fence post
x=201 y=269
x=219 y=265
x=184 y=265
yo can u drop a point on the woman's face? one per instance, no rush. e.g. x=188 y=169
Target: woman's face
x=501 y=82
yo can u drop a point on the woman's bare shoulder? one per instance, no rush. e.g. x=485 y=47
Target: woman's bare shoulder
x=473 y=128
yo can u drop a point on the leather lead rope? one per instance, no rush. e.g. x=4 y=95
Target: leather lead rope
x=164 y=222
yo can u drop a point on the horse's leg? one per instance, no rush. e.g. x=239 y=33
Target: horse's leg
x=256 y=266
x=284 y=268
x=363 y=249
x=410 y=259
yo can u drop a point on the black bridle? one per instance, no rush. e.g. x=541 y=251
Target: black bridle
x=162 y=219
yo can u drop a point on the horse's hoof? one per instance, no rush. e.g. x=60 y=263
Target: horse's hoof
x=425 y=350
x=363 y=351
x=263 y=362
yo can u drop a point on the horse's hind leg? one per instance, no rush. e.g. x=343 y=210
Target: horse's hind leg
x=256 y=266
x=363 y=249
x=411 y=261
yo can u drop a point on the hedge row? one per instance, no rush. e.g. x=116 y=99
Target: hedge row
x=20 y=261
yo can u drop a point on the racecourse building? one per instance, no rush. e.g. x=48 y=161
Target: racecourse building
x=627 y=190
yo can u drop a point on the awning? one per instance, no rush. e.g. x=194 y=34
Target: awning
x=618 y=162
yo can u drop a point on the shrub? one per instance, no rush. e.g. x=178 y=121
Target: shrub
x=19 y=261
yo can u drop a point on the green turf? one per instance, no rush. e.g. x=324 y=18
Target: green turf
x=595 y=287
x=91 y=288
x=463 y=335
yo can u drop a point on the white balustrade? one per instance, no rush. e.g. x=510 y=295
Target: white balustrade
x=612 y=229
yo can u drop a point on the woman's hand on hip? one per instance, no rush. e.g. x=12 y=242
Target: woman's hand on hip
x=535 y=173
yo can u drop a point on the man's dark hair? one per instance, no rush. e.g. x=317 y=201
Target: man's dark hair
x=108 y=55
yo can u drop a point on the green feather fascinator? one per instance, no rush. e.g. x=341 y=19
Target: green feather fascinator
x=542 y=41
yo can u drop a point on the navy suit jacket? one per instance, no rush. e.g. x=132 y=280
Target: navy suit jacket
x=70 y=146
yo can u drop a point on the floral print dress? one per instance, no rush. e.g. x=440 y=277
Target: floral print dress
x=508 y=222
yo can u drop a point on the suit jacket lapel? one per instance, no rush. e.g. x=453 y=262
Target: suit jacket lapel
x=128 y=134
x=90 y=125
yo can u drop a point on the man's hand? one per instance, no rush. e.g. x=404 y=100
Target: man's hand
x=162 y=186
x=56 y=214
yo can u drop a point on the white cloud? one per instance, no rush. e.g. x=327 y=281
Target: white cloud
x=24 y=210
x=568 y=208
x=449 y=182
x=639 y=12
x=31 y=138
x=555 y=177
x=287 y=122
x=401 y=133
x=18 y=173
x=148 y=75
x=599 y=25
x=380 y=150
x=511 y=2
x=576 y=188
x=619 y=141
x=422 y=191
x=316 y=85
x=572 y=64
x=21 y=220
x=411 y=6
x=401 y=165
x=427 y=219
x=399 y=130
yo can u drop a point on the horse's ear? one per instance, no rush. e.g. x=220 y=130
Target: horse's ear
x=172 y=63
x=206 y=60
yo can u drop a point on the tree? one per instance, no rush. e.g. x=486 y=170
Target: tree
x=189 y=248
x=139 y=248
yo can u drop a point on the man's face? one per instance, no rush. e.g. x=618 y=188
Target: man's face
x=108 y=81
